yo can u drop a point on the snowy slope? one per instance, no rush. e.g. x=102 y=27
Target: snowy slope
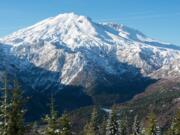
x=80 y=51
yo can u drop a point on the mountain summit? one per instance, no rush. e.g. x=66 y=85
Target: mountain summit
x=72 y=50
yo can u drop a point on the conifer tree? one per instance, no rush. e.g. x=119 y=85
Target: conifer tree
x=152 y=126
x=65 y=125
x=175 y=125
x=158 y=130
x=123 y=127
x=112 y=124
x=136 y=126
x=53 y=127
x=15 y=124
x=4 y=106
x=102 y=130
x=92 y=127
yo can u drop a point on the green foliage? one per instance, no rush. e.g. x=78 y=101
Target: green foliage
x=15 y=123
x=12 y=117
x=152 y=126
x=102 y=129
x=175 y=125
x=53 y=127
x=65 y=125
x=123 y=126
x=4 y=108
x=136 y=126
x=112 y=124
x=92 y=127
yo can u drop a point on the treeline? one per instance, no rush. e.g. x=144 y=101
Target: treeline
x=118 y=125
x=12 y=112
x=12 y=121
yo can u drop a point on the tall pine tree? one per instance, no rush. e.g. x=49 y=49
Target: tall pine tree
x=152 y=126
x=53 y=127
x=65 y=125
x=123 y=126
x=102 y=129
x=136 y=126
x=175 y=125
x=15 y=124
x=92 y=127
x=4 y=106
x=112 y=124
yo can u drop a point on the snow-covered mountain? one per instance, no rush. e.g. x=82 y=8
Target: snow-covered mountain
x=73 y=50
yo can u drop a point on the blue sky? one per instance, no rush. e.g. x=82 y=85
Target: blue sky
x=159 y=19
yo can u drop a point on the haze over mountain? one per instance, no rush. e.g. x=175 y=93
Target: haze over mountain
x=101 y=60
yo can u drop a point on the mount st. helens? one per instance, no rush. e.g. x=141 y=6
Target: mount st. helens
x=84 y=62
